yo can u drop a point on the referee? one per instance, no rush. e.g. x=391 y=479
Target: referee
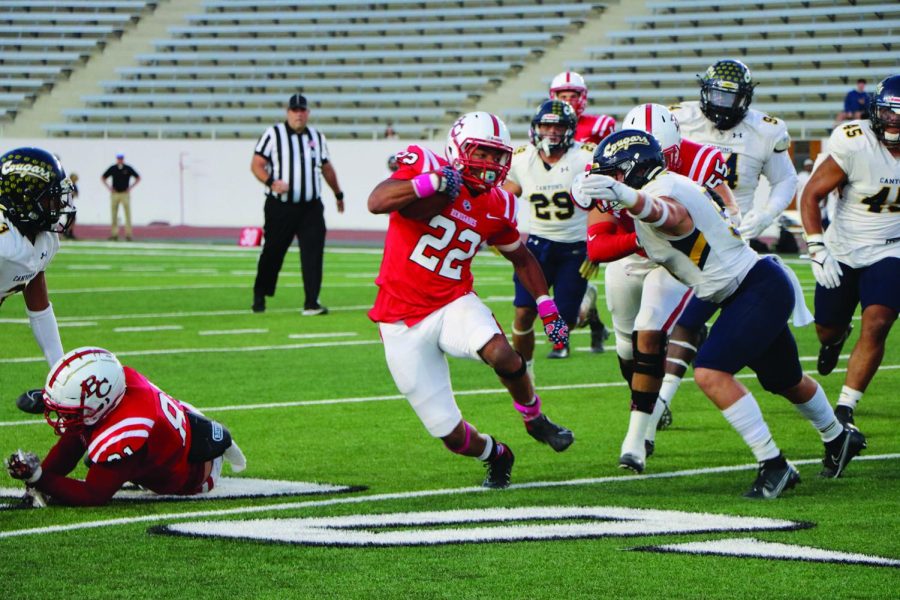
x=290 y=160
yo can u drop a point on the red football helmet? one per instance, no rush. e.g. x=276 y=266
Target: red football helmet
x=479 y=130
x=82 y=387
x=570 y=81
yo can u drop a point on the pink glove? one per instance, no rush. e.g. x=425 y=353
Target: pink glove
x=556 y=329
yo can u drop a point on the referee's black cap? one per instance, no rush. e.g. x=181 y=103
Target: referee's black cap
x=297 y=101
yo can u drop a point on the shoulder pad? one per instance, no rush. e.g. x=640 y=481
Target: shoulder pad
x=783 y=142
x=520 y=149
x=118 y=440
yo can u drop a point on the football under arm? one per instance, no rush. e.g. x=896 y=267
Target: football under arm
x=527 y=268
x=826 y=177
x=391 y=195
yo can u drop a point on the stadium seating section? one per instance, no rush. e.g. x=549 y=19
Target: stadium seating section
x=226 y=71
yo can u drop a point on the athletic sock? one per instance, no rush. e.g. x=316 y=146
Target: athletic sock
x=746 y=418
x=818 y=412
x=637 y=429
x=488 y=446
x=849 y=397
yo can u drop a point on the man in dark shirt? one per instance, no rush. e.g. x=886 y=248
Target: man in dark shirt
x=120 y=193
x=856 y=103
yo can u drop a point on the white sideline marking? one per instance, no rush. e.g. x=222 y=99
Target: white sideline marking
x=231 y=331
x=89 y=267
x=198 y=271
x=139 y=269
x=752 y=547
x=306 y=336
x=175 y=288
x=77 y=324
x=361 y=499
x=148 y=328
x=388 y=397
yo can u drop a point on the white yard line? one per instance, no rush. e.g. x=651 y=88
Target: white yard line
x=362 y=499
x=231 y=331
x=398 y=397
x=172 y=288
x=306 y=336
x=148 y=328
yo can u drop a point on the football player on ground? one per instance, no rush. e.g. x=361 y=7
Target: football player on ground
x=753 y=144
x=857 y=260
x=35 y=206
x=441 y=210
x=541 y=175
x=644 y=299
x=682 y=228
x=131 y=431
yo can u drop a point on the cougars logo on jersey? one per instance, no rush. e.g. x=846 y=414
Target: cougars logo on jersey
x=427 y=265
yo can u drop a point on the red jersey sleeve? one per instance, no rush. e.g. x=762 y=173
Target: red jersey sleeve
x=608 y=242
x=119 y=439
x=64 y=456
x=416 y=160
x=506 y=206
x=102 y=482
x=703 y=163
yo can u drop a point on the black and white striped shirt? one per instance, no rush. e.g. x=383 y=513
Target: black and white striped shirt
x=296 y=158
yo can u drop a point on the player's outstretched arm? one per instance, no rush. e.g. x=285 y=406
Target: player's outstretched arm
x=42 y=318
x=528 y=269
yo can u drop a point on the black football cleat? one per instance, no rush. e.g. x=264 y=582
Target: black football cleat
x=599 y=332
x=649 y=448
x=774 y=477
x=829 y=353
x=547 y=432
x=259 y=303
x=559 y=351
x=665 y=419
x=844 y=414
x=631 y=462
x=499 y=469
x=31 y=402
x=841 y=450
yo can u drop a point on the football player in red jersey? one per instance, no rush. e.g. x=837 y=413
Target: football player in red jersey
x=569 y=87
x=131 y=431
x=426 y=307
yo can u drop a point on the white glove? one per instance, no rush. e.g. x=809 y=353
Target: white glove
x=826 y=269
x=754 y=222
x=607 y=190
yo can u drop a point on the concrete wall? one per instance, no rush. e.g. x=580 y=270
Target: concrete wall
x=208 y=182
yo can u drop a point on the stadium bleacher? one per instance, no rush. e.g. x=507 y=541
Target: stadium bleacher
x=805 y=55
x=229 y=69
x=417 y=65
x=63 y=33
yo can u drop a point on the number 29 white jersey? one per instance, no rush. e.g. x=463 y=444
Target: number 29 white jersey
x=866 y=224
x=546 y=191
x=755 y=146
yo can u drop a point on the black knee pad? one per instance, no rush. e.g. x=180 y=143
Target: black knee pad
x=649 y=364
x=643 y=401
x=209 y=439
x=626 y=367
x=520 y=372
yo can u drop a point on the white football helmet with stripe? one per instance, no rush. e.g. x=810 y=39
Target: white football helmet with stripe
x=82 y=387
x=570 y=81
x=657 y=120
x=476 y=130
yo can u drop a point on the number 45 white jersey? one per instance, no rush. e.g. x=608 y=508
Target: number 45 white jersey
x=866 y=225
x=545 y=189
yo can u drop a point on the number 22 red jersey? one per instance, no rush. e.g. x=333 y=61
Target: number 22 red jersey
x=428 y=265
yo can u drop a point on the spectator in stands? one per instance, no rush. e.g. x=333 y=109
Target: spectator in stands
x=120 y=193
x=290 y=160
x=389 y=133
x=803 y=175
x=856 y=103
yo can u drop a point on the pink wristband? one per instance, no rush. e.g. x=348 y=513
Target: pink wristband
x=425 y=185
x=546 y=306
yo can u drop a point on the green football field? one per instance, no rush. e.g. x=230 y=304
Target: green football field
x=310 y=399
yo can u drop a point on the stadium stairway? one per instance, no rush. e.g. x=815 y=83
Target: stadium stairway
x=86 y=80
x=509 y=95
